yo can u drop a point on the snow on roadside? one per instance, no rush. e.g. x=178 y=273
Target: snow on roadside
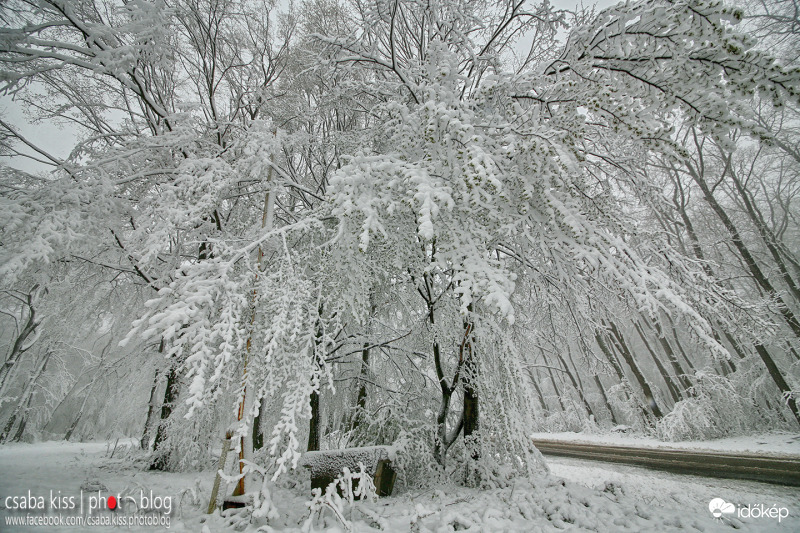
x=542 y=504
x=771 y=444
x=692 y=494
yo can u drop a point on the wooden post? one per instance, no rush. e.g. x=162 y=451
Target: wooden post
x=226 y=444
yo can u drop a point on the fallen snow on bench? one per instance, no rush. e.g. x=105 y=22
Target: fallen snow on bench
x=334 y=461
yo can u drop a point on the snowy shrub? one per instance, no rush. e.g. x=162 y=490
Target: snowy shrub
x=343 y=491
x=721 y=406
x=414 y=461
x=693 y=418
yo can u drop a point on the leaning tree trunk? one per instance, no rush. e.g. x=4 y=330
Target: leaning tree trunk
x=24 y=340
x=761 y=281
x=605 y=399
x=627 y=355
x=79 y=414
x=672 y=357
x=23 y=422
x=624 y=351
x=577 y=384
x=770 y=240
x=535 y=383
x=749 y=260
x=144 y=443
x=668 y=381
x=617 y=366
x=25 y=401
x=777 y=377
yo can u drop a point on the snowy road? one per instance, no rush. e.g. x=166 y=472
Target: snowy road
x=780 y=470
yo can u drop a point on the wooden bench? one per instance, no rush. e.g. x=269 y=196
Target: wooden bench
x=327 y=465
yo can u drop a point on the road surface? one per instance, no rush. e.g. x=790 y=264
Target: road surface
x=771 y=469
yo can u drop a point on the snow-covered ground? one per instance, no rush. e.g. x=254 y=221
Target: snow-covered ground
x=579 y=496
x=777 y=444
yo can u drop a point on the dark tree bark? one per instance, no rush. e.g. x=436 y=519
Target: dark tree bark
x=605 y=399
x=315 y=423
x=671 y=387
x=471 y=413
x=617 y=366
x=672 y=358
x=23 y=422
x=151 y=406
x=539 y=395
x=749 y=260
x=151 y=409
x=555 y=389
x=26 y=335
x=23 y=405
x=770 y=240
x=760 y=280
x=777 y=377
x=624 y=351
x=258 y=432
x=677 y=343
x=361 y=398
x=170 y=395
x=576 y=384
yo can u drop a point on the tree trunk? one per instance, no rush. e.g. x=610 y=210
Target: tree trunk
x=577 y=386
x=151 y=407
x=605 y=399
x=680 y=373
x=24 y=422
x=626 y=354
x=749 y=260
x=314 y=424
x=144 y=443
x=617 y=366
x=361 y=399
x=440 y=446
x=79 y=415
x=777 y=377
x=671 y=387
x=24 y=341
x=25 y=401
x=538 y=390
x=677 y=343
x=170 y=395
x=258 y=433
x=471 y=408
x=764 y=232
x=556 y=391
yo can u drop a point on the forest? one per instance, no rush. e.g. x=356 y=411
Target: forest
x=434 y=225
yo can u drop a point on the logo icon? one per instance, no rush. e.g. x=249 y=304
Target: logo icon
x=718 y=507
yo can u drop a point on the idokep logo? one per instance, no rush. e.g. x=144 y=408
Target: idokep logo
x=718 y=507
